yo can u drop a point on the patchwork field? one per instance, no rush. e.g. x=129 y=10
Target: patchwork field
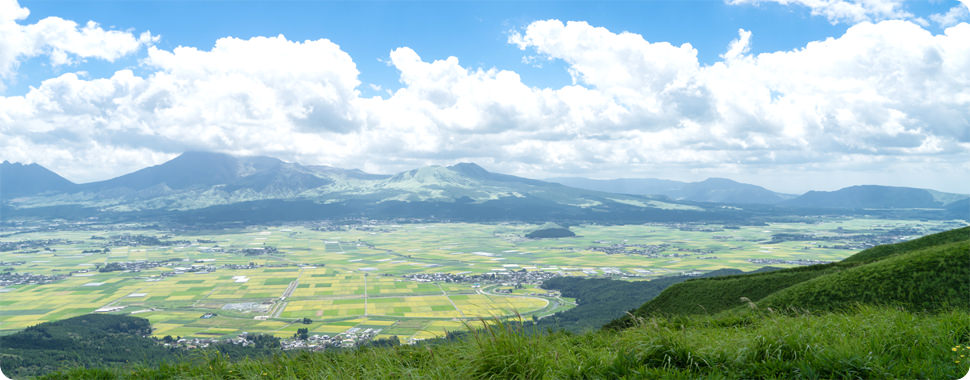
x=268 y=279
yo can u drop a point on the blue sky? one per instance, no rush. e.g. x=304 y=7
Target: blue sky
x=474 y=32
x=792 y=95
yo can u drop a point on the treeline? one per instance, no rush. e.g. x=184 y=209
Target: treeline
x=106 y=340
x=94 y=340
x=601 y=300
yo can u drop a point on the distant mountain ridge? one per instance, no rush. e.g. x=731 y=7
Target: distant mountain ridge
x=18 y=179
x=216 y=186
x=205 y=169
x=717 y=190
x=875 y=197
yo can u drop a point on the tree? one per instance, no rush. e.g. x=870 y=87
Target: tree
x=387 y=342
x=302 y=333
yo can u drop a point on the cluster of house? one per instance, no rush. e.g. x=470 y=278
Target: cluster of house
x=14 y=278
x=135 y=266
x=649 y=250
x=350 y=338
x=129 y=240
x=30 y=246
x=504 y=277
x=788 y=261
x=630 y=249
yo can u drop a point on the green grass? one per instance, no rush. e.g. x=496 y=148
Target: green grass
x=925 y=279
x=928 y=273
x=864 y=342
x=887 y=250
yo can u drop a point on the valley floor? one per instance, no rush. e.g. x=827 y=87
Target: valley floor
x=395 y=279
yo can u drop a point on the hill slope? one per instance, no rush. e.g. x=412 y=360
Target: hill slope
x=718 y=190
x=863 y=343
x=19 y=180
x=215 y=187
x=929 y=273
x=94 y=339
x=600 y=300
x=878 y=197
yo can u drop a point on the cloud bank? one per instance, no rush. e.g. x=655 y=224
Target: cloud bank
x=888 y=97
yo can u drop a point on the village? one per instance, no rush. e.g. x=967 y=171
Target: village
x=353 y=337
x=504 y=277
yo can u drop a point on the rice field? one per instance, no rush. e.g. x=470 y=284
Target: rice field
x=267 y=279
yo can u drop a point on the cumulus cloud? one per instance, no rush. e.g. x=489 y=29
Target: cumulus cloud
x=63 y=41
x=888 y=96
x=953 y=16
x=265 y=95
x=739 y=47
x=847 y=11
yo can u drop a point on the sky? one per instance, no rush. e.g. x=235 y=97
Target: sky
x=792 y=95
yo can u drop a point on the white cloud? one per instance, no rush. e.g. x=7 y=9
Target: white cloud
x=62 y=41
x=889 y=96
x=739 y=47
x=953 y=16
x=850 y=11
x=262 y=95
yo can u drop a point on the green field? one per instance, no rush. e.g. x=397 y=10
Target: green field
x=355 y=277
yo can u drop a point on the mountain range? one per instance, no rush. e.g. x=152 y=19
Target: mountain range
x=718 y=190
x=204 y=184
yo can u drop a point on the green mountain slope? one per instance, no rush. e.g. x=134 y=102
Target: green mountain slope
x=884 y=251
x=931 y=278
x=219 y=187
x=87 y=340
x=929 y=273
x=20 y=180
x=866 y=342
x=600 y=300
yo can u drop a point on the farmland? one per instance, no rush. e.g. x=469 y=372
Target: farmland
x=328 y=279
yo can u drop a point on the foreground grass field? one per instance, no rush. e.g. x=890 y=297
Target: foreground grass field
x=864 y=342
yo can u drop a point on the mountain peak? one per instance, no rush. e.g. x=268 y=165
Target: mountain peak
x=470 y=169
x=868 y=196
x=201 y=155
x=27 y=179
x=719 y=180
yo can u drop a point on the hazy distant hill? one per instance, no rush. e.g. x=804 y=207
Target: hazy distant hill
x=204 y=169
x=220 y=187
x=19 y=179
x=215 y=187
x=872 y=196
x=719 y=190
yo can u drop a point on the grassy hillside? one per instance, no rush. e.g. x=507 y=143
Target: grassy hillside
x=104 y=340
x=87 y=340
x=929 y=273
x=883 y=251
x=600 y=300
x=931 y=278
x=865 y=342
